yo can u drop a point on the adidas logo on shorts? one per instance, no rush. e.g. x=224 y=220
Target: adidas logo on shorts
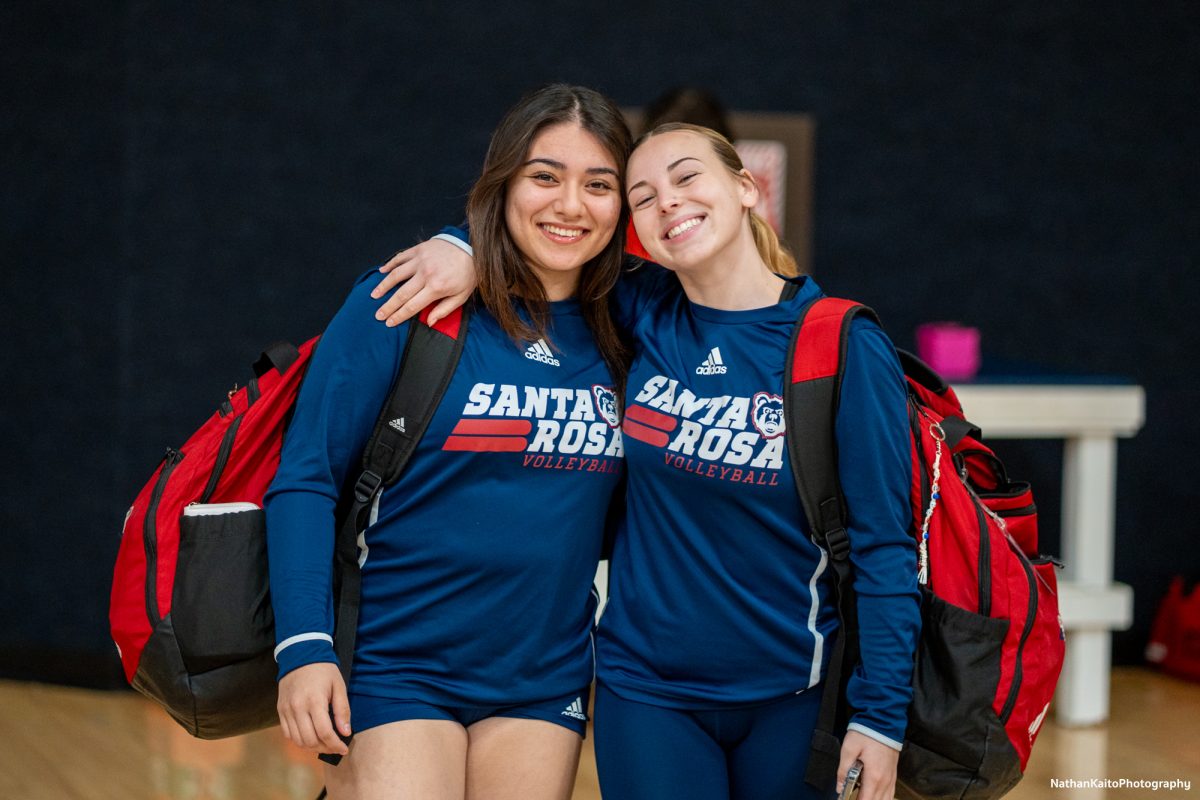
x=539 y=351
x=575 y=710
x=713 y=365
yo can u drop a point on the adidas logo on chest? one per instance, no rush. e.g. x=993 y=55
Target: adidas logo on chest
x=713 y=365
x=540 y=351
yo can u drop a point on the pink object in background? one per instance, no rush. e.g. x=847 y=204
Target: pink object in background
x=952 y=350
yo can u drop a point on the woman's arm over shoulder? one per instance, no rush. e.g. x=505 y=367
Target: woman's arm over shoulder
x=438 y=271
x=441 y=270
x=346 y=385
x=875 y=467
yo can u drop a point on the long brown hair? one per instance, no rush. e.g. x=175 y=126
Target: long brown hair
x=774 y=252
x=504 y=278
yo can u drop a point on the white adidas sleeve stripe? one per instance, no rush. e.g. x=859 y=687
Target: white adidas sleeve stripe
x=301 y=637
x=879 y=737
x=459 y=243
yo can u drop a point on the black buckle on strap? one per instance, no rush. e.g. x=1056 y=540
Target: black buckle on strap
x=366 y=487
x=837 y=542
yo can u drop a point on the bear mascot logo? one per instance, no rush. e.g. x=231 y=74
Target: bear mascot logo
x=606 y=405
x=768 y=415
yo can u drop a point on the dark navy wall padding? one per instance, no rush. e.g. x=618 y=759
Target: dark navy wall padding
x=182 y=185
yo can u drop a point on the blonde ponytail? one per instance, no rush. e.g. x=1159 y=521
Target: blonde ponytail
x=774 y=252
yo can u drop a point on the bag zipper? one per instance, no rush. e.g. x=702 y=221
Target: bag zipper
x=1010 y=702
x=985 y=556
x=1018 y=673
x=150 y=535
x=1023 y=511
x=985 y=563
x=222 y=458
x=1045 y=559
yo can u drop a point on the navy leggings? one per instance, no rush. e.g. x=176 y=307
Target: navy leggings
x=646 y=752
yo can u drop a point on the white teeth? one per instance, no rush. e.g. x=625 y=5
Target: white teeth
x=569 y=233
x=686 y=225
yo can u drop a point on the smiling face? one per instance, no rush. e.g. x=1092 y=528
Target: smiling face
x=689 y=208
x=562 y=205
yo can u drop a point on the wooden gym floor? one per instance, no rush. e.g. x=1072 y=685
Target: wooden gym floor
x=59 y=743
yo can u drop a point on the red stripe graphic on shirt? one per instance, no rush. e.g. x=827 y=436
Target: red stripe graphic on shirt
x=493 y=427
x=655 y=419
x=489 y=435
x=640 y=432
x=482 y=444
x=649 y=426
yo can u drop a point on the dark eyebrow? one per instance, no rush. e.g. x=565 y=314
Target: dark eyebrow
x=561 y=166
x=675 y=164
x=670 y=167
x=547 y=161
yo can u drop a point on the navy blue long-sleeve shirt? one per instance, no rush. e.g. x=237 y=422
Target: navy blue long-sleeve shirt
x=718 y=594
x=478 y=565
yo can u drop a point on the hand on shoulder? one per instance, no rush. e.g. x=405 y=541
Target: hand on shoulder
x=426 y=273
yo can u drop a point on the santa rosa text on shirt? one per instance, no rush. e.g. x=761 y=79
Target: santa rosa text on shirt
x=550 y=420
x=730 y=430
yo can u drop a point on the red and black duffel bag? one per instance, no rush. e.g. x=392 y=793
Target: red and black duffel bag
x=992 y=643
x=190 y=609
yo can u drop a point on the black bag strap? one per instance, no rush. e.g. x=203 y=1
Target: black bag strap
x=917 y=371
x=278 y=356
x=956 y=429
x=430 y=358
x=812 y=386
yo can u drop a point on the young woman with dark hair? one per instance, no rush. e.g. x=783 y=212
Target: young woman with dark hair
x=473 y=655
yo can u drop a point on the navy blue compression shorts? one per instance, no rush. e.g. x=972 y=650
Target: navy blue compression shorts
x=368 y=711
x=759 y=752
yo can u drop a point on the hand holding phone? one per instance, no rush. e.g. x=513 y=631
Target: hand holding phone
x=850 y=787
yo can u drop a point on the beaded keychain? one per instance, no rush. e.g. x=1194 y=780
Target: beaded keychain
x=939 y=436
